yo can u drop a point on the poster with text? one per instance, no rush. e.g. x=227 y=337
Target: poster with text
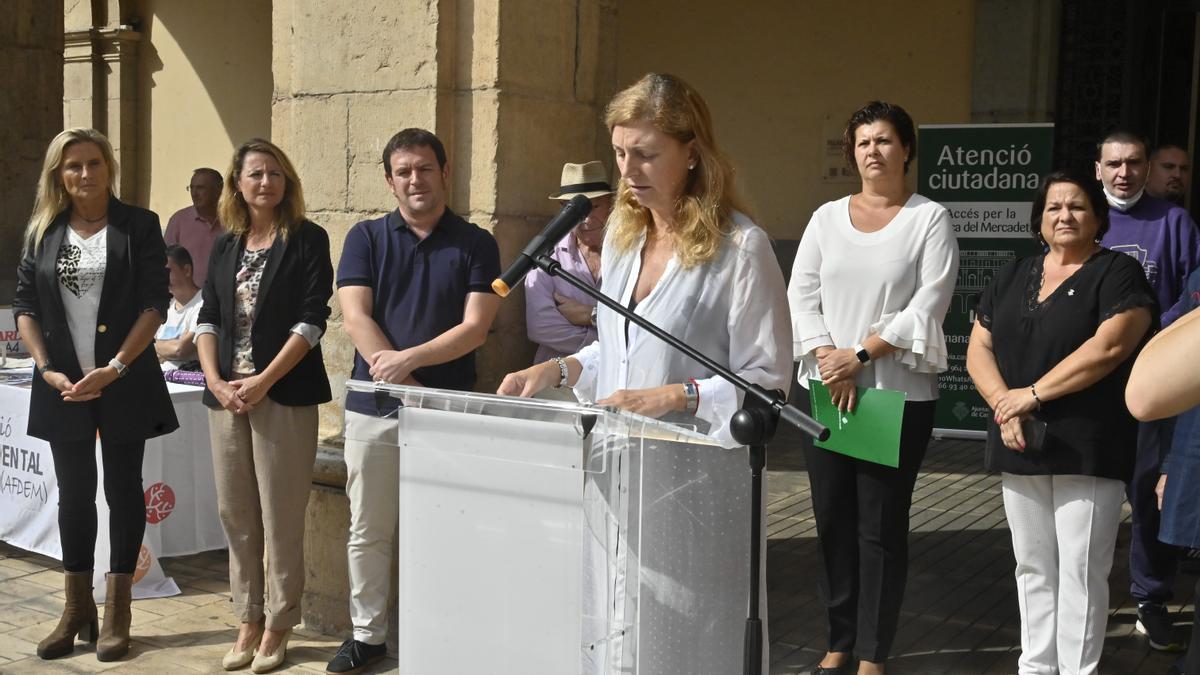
x=985 y=175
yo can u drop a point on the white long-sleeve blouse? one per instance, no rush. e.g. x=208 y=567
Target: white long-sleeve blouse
x=896 y=282
x=732 y=308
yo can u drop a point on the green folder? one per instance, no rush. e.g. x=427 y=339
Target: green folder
x=871 y=432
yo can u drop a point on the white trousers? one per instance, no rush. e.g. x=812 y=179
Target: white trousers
x=373 y=486
x=1064 y=531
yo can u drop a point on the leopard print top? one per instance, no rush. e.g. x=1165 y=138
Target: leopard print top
x=249 y=276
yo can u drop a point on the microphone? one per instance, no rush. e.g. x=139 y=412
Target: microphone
x=570 y=216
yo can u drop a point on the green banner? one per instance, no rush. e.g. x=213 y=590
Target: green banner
x=985 y=176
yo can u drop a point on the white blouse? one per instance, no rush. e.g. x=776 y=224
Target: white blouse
x=896 y=282
x=732 y=308
x=80 y=267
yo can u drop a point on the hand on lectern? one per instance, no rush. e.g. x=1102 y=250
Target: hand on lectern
x=528 y=382
x=651 y=402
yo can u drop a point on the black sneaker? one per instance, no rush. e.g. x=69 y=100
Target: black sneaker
x=1154 y=622
x=353 y=656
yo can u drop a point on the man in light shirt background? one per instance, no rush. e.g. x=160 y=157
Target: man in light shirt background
x=173 y=340
x=196 y=227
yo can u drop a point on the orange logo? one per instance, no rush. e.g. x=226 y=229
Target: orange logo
x=160 y=502
x=143 y=564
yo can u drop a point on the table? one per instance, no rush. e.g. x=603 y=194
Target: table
x=177 y=474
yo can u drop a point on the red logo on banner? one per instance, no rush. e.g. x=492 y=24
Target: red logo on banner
x=143 y=563
x=160 y=502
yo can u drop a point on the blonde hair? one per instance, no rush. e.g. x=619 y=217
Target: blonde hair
x=703 y=213
x=52 y=198
x=232 y=209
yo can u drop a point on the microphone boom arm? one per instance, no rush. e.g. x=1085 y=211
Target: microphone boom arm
x=785 y=410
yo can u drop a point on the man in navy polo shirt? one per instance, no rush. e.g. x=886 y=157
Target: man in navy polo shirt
x=415 y=291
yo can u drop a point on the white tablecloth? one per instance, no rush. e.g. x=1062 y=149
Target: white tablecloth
x=177 y=475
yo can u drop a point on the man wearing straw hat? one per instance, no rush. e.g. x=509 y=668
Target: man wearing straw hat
x=558 y=317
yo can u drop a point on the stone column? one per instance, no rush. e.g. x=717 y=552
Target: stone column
x=100 y=84
x=514 y=88
x=31 y=57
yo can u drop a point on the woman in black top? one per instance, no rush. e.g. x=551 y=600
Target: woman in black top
x=266 y=301
x=1052 y=345
x=91 y=292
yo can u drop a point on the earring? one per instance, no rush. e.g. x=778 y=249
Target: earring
x=691 y=166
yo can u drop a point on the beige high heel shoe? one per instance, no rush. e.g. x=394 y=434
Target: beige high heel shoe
x=264 y=664
x=235 y=659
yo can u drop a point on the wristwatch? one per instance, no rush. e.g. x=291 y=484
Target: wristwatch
x=121 y=368
x=864 y=356
x=47 y=367
x=691 y=395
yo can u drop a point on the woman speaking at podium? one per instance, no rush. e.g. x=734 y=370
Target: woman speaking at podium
x=680 y=252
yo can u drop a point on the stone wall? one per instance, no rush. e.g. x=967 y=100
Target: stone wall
x=31 y=57
x=513 y=89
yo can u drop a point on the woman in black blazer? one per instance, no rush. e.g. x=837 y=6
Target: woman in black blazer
x=266 y=301
x=91 y=292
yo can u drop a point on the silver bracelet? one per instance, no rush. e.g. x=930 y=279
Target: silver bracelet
x=562 y=371
x=1033 y=390
x=691 y=395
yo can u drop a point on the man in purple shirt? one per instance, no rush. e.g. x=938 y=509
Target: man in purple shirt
x=197 y=226
x=416 y=297
x=1170 y=173
x=559 y=317
x=1164 y=239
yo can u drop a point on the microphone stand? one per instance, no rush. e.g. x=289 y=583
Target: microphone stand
x=753 y=425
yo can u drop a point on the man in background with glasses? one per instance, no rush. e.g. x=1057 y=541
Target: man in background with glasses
x=196 y=227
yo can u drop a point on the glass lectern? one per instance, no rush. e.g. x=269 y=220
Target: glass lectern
x=543 y=537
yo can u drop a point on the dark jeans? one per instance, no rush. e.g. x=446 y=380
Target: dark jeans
x=75 y=464
x=1151 y=562
x=861 y=510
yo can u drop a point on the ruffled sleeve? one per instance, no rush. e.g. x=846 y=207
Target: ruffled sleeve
x=1123 y=288
x=804 y=293
x=917 y=329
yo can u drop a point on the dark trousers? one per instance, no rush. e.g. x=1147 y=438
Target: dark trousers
x=75 y=464
x=1191 y=661
x=861 y=509
x=1151 y=562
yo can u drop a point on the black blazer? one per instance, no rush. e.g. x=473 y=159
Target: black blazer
x=296 y=285
x=134 y=407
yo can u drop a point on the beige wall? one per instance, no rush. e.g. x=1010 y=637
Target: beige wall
x=204 y=86
x=780 y=75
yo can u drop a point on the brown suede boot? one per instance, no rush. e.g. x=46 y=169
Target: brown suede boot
x=79 y=617
x=114 y=633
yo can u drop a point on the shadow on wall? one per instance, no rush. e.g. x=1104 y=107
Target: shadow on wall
x=227 y=43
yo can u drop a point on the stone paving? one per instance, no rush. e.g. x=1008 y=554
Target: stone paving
x=187 y=633
x=960 y=612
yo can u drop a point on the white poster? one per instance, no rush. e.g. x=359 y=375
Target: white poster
x=177 y=475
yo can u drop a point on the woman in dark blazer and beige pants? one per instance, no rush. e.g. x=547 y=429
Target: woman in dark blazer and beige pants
x=91 y=291
x=266 y=301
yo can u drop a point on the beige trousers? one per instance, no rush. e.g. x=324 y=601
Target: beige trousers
x=263 y=466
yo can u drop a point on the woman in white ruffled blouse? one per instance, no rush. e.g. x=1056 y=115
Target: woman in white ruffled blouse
x=870 y=287
x=680 y=252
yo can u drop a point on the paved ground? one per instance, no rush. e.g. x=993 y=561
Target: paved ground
x=960 y=614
